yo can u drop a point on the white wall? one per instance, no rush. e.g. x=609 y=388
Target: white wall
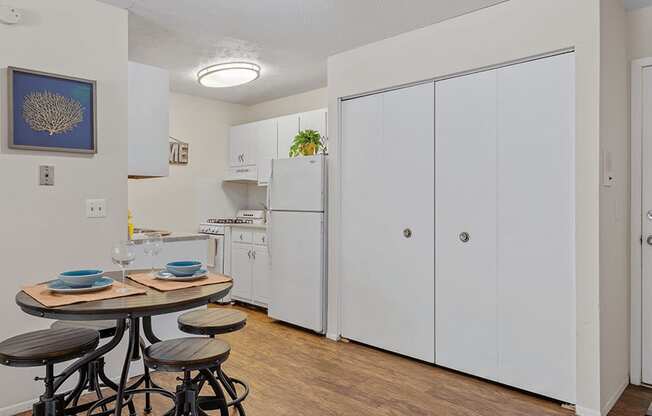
x=310 y=100
x=614 y=205
x=193 y=192
x=43 y=230
x=639 y=33
x=508 y=31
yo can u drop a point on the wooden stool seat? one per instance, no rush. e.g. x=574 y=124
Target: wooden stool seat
x=212 y=321
x=48 y=346
x=105 y=328
x=186 y=354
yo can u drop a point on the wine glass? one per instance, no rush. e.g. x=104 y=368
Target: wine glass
x=123 y=254
x=152 y=246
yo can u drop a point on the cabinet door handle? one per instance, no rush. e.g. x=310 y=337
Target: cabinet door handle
x=249 y=254
x=253 y=253
x=464 y=237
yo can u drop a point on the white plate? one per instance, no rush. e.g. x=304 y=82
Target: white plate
x=199 y=274
x=57 y=286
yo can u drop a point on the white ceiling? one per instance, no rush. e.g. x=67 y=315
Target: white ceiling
x=289 y=39
x=635 y=4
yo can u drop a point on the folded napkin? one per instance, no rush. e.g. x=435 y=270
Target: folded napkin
x=148 y=279
x=44 y=296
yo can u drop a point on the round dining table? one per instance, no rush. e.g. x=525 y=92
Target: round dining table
x=128 y=312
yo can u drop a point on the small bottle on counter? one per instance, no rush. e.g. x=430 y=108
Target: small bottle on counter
x=130 y=224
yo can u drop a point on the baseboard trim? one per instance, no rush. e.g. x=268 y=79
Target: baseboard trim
x=585 y=411
x=614 y=398
x=333 y=337
x=17 y=408
x=14 y=409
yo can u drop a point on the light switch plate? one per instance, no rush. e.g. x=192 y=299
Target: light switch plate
x=46 y=175
x=96 y=208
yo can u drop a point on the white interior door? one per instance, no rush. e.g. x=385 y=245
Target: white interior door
x=505 y=299
x=297 y=258
x=387 y=243
x=646 y=224
x=465 y=137
x=536 y=228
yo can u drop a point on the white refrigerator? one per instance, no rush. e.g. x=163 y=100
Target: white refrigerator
x=296 y=241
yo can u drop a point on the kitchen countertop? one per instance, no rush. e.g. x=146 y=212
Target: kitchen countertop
x=139 y=238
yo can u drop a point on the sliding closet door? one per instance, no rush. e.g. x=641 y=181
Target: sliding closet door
x=387 y=223
x=536 y=244
x=465 y=233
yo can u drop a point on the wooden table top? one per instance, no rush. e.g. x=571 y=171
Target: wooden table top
x=151 y=303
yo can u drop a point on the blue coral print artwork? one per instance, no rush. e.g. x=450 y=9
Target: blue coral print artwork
x=52 y=113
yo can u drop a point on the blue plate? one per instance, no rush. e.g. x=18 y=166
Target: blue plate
x=59 y=286
x=165 y=275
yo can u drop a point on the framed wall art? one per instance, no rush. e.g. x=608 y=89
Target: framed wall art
x=51 y=112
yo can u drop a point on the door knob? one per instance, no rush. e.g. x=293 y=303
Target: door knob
x=407 y=233
x=464 y=237
x=649 y=240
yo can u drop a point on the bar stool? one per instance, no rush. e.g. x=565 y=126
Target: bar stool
x=212 y=322
x=93 y=375
x=46 y=348
x=186 y=355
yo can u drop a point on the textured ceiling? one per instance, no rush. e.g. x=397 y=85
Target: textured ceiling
x=289 y=39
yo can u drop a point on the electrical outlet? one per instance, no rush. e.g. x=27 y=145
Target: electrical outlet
x=46 y=175
x=96 y=208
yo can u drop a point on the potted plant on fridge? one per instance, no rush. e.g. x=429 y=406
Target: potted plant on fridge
x=307 y=143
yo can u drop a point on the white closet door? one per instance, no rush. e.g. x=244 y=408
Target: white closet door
x=465 y=139
x=387 y=243
x=536 y=244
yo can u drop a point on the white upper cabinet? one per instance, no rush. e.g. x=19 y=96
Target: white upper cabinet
x=239 y=144
x=148 y=122
x=264 y=149
x=288 y=127
x=314 y=120
x=254 y=145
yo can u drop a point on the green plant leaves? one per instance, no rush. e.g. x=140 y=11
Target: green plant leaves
x=305 y=143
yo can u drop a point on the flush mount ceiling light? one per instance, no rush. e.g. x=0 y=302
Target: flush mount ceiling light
x=228 y=74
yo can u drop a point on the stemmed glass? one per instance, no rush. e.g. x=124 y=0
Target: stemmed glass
x=123 y=254
x=152 y=246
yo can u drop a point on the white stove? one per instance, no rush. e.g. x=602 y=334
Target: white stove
x=244 y=216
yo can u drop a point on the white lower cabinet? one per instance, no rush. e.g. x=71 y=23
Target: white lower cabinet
x=250 y=269
x=260 y=275
x=241 y=270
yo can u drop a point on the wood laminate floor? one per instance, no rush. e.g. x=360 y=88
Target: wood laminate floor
x=295 y=372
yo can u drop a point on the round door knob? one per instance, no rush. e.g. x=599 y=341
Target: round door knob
x=407 y=233
x=649 y=240
x=464 y=237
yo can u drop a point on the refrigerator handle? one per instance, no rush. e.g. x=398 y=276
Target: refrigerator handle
x=268 y=236
x=268 y=212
